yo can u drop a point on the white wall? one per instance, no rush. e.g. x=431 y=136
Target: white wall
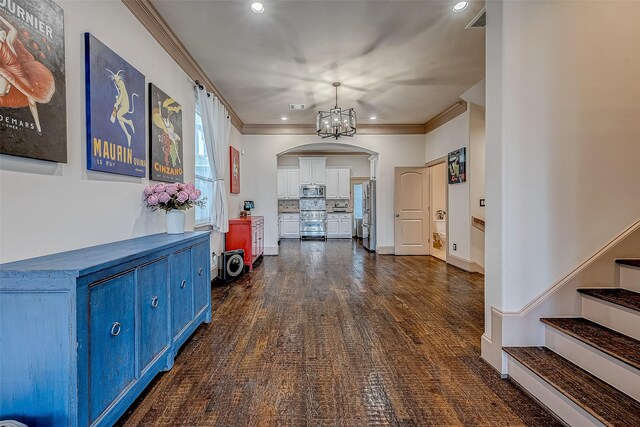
x=562 y=139
x=439 y=142
x=50 y=207
x=476 y=178
x=260 y=164
x=359 y=164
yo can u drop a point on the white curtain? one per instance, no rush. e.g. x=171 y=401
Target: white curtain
x=216 y=126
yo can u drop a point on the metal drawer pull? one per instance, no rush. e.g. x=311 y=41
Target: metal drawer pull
x=115 y=329
x=183 y=284
x=200 y=271
x=154 y=302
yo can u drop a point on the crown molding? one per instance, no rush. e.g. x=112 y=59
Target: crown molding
x=391 y=129
x=326 y=153
x=447 y=115
x=151 y=19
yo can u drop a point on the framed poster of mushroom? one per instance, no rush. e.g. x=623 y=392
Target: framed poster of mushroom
x=115 y=92
x=165 y=137
x=33 y=118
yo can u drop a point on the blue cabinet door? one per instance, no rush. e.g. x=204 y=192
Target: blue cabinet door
x=181 y=292
x=201 y=277
x=112 y=340
x=153 y=303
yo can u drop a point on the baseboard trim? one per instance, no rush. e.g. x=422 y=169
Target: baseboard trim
x=386 y=250
x=271 y=250
x=464 y=264
x=492 y=355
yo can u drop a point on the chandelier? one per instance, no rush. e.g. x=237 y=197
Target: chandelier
x=336 y=122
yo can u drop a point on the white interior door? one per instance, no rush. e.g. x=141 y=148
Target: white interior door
x=412 y=224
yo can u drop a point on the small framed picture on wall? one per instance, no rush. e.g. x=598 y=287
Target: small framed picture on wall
x=457 y=165
x=234 y=170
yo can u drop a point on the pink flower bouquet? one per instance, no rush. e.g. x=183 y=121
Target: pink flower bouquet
x=173 y=196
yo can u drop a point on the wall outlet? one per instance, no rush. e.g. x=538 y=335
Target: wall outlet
x=455 y=247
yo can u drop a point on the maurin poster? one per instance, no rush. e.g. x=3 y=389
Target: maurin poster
x=165 y=135
x=115 y=93
x=33 y=121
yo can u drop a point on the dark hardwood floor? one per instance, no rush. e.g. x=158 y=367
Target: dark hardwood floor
x=327 y=334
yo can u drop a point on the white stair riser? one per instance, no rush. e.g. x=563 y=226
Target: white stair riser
x=612 y=371
x=621 y=319
x=557 y=403
x=630 y=278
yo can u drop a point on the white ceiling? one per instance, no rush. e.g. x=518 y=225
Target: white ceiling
x=403 y=61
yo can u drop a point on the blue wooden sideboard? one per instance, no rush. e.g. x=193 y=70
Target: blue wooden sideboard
x=82 y=333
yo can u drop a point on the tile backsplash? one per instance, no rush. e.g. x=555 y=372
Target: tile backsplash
x=291 y=206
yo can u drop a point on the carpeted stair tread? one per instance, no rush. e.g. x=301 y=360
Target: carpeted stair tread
x=634 y=262
x=604 y=402
x=615 y=344
x=620 y=296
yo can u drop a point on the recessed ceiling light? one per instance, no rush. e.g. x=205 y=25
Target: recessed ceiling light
x=459 y=7
x=257 y=7
x=283 y=118
x=372 y=118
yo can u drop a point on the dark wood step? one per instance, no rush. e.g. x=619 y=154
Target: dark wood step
x=615 y=344
x=619 y=296
x=607 y=404
x=634 y=262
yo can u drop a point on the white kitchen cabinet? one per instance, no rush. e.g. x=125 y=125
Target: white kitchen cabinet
x=332 y=184
x=333 y=226
x=280 y=226
x=282 y=184
x=288 y=184
x=312 y=170
x=338 y=183
x=290 y=226
x=293 y=184
x=346 y=226
x=344 y=183
x=339 y=226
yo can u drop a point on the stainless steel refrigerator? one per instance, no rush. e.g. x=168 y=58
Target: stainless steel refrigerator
x=369 y=215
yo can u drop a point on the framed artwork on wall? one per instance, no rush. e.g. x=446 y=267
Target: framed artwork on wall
x=115 y=112
x=234 y=170
x=33 y=109
x=457 y=162
x=165 y=137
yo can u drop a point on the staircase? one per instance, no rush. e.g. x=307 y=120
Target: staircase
x=588 y=373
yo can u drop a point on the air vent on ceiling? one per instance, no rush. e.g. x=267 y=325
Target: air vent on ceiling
x=297 y=106
x=479 y=21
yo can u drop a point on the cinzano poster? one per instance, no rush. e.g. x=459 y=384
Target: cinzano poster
x=115 y=94
x=33 y=120
x=165 y=136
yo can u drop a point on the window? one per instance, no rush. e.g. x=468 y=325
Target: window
x=204 y=178
x=357 y=201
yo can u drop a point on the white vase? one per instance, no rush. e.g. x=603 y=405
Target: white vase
x=175 y=222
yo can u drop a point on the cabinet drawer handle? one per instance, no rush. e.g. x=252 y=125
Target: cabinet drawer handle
x=200 y=271
x=183 y=284
x=115 y=329
x=154 y=302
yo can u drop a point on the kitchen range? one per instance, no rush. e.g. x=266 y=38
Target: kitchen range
x=313 y=211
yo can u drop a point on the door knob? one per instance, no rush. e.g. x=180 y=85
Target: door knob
x=397 y=215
